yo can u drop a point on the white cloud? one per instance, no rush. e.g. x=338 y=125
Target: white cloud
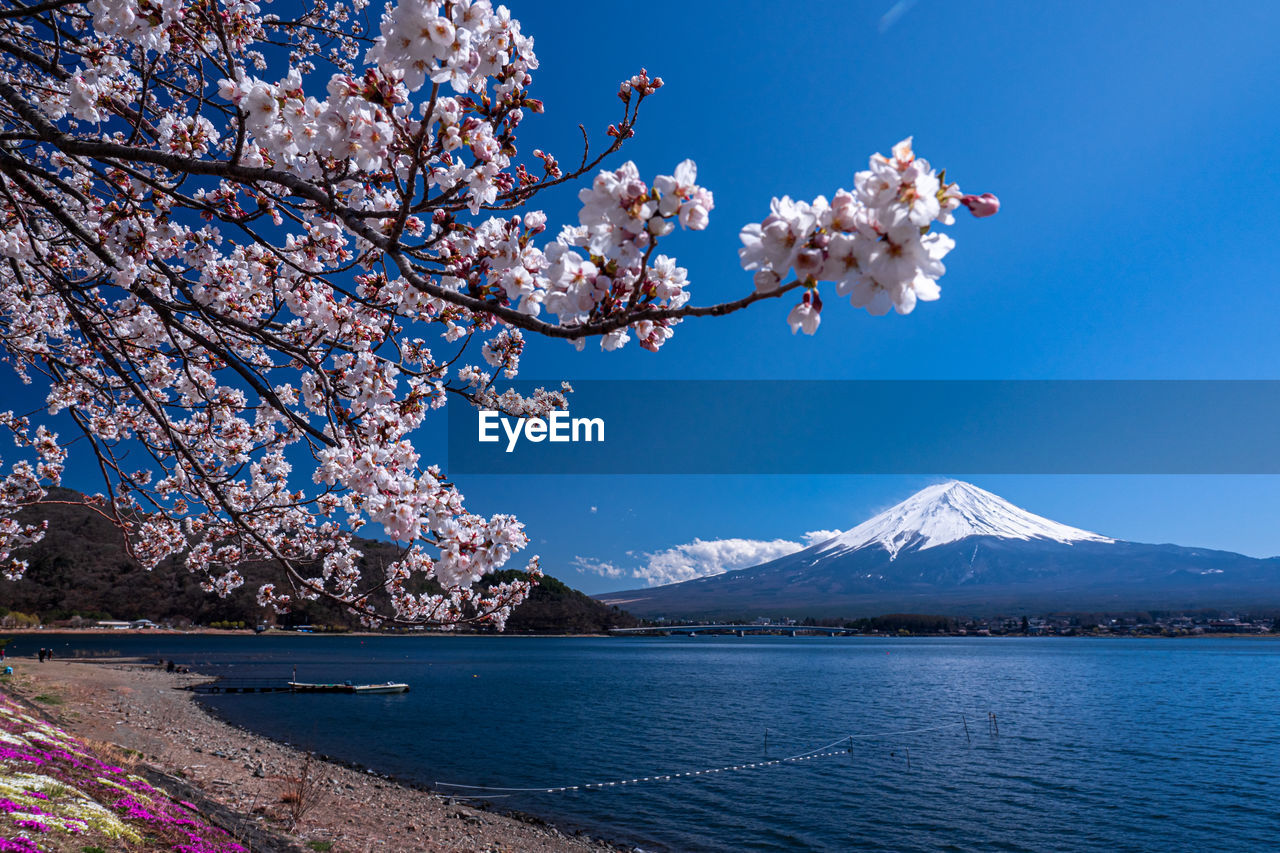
x=700 y=558
x=598 y=567
x=813 y=537
x=593 y=509
x=704 y=557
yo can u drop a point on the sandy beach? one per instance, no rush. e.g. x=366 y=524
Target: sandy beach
x=136 y=707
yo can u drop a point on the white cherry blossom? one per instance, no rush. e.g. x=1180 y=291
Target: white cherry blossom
x=245 y=258
x=875 y=243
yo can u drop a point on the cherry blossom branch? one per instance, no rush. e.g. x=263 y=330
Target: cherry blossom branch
x=241 y=275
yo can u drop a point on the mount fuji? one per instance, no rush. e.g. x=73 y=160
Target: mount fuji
x=946 y=513
x=956 y=549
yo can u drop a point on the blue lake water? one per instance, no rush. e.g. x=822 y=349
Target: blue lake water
x=1111 y=745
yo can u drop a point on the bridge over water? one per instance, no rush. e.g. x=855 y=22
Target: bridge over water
x=737 y=630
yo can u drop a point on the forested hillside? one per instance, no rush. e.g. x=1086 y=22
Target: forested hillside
x=81 y=569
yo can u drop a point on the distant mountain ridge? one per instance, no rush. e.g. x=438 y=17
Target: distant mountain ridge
x=956 y=549
x=81 y=567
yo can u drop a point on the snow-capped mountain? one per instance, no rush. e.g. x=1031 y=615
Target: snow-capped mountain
x=949 y=512
x=957 y=549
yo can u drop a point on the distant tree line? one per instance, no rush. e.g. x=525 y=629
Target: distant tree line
x=913 y=623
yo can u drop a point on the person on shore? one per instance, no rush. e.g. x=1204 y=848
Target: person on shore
x=42 y=654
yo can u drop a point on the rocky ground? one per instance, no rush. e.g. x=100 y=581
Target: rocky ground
x=135 y=707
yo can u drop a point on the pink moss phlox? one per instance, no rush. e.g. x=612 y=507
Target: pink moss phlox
x=9 y=806
x=133 y=809
x=18 y=845
x=15 y=755
x=200 y=845
x=75 y=760
x=147 y=803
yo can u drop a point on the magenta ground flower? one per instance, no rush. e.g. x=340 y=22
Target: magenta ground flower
x=18 y=845
x=15 y=755
x=199 y=845
x=131 y=809
x=134 y=810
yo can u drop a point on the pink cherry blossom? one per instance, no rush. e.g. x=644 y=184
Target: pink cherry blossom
x=246 y=257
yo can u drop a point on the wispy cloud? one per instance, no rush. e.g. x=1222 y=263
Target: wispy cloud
x=701 y=558
x=598 y=567
x=896 y=11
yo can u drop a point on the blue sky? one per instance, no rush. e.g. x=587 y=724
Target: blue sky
x=1133 y=146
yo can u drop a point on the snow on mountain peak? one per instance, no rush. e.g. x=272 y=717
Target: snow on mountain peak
x=948 y=512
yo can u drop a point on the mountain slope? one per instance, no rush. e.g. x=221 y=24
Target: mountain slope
x=959 y=550
x=81 y=568
x=949 y=512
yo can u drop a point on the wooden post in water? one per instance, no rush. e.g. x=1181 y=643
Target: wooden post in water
x=966 y=729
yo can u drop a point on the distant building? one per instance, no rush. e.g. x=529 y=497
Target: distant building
x=1234 y=626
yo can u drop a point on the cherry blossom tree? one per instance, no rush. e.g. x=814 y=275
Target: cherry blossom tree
x=246 y=253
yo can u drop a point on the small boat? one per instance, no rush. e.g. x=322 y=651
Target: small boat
x=387 y=687
x=348 y=687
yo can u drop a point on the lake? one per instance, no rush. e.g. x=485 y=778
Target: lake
x=1108 y=745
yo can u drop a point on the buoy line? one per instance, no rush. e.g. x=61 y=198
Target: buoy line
x=825 y=751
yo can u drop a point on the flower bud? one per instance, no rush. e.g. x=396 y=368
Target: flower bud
x=981 y=205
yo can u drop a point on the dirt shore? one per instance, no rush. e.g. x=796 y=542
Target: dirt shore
x=135 y=706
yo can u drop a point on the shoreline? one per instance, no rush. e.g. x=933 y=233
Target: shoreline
x=134 y=706
x=249 y=632
x=673 y=631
